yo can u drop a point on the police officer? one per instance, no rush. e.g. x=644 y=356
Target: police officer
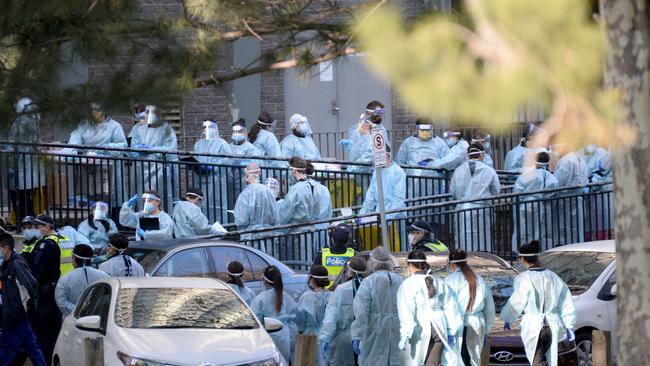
x=48 y=260
x=420 y=238
x=339 y=251
x=32 y=235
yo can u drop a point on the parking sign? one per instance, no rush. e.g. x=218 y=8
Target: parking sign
x=379 y=156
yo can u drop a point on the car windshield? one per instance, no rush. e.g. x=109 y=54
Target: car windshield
x=578 y=270
x=148 y=258
x=147 y=308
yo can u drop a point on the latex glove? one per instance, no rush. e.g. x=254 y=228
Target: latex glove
x=324 y=348
x=451 y=340
x=133 y=200
x=345 y=142
x=355 y=347
x=140 y=232
x=423 y=163
x=402 y=343
x=506 y=326
x=570 y=335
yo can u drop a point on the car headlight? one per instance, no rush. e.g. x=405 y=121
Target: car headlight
x=137 y=361
x=276 y=360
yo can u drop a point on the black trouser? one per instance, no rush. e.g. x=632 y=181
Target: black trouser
x=22 y=201
x=543 y=344
x=434 y=353
x=46 y=323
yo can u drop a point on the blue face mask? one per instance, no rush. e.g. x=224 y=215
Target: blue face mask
x=450 y=142
x=238 y=138
x=31 y=234
x=486 y=146
x=149 y=208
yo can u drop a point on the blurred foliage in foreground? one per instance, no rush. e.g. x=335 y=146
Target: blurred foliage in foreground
x=510 y=53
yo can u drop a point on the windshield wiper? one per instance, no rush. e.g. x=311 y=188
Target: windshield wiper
x=243 y=327
x=175 y=327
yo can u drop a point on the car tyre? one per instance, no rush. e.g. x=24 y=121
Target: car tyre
x=583 y=347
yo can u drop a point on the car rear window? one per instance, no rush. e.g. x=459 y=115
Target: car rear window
x=149 y=308
x=579 y=270
x=148 y=258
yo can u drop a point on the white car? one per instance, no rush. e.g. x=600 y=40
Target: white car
x=164 y=322
x=589 y=269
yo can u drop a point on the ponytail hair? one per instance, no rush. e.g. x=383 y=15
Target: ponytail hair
x=235 y=272
x=418 y=259
x=273 y=278
x=255 y=130
x=459 y=258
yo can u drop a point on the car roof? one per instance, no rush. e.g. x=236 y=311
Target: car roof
x=171 y=244
x=475 y=259
x=164 y=282
x=606 y=246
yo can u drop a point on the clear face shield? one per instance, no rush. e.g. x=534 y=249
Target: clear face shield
x=300 y=125
x=268 y=126
x=273 y=185
x=484 y=141
x=238 y=134
x=151 y=203
x=451 y=137
x=210 y=130
x=425 y=132
x=253 y=175
x=151 y=115
x=101 y=211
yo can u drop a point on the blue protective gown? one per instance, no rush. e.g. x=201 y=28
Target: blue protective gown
x=570 y=171
x=309 y=315
x=515 y=159
x=245 y=293
x=212 y=177
x=97 y=237
x=457 y=156
x=302 y=147
x=115 y=266
x=414 y=150
x=535 y=218
x=335 y=330
x=189 y=220
x=376 y=321
x=474 y=225
x=542 y=296
x=255 y=208
x=264 y=306
x=25 y=171
x=394 y=184
x=70 y=287
x=480 y=318
x=109 y=134
x=418 y=313
x=129 y=218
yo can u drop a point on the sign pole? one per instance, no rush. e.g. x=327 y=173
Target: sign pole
x=380 y=160
x=382 y=209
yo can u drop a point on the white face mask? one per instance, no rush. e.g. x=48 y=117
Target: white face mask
x=101 y=210
x=411 y=238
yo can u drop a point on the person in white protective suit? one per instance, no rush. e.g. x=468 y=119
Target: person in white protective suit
x=457 y=154
x=429 y=317
x=547 y=305
x=277 y=304
x=475 y=305
x=151 y=209
x=335 y=336
x=299 y=143
x=473 y=180
x=311 y=307
x=120 y=264
x=483 y=138
x=235 y=272
x=70 y=287
x=570 y=171
x=375 y=329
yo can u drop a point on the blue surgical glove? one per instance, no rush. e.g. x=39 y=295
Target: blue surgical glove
x=355 y=347
x=506 y=326
x=570 y=335
x=451 y=340
x=324 y=349
x=345 y=142
x=423 y=163
x=140 y=232
x=133 y=201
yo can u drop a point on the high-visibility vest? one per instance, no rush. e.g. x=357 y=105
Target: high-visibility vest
x=335 y=262
x=66 y=253
x=438 y=246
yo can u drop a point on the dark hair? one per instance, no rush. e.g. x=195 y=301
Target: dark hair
x=119 y=241
x=299 y=163
x=470 y=276
x=240 y=122
x=153 y=192
x=530 y=248
x=255 y=130
x=374 y=104
x=318 y=270
x=6 y=240
x=543 y=157
x=310 y=168
x=423 y=121
x=274 y=279
x=422 y=266
x=235 y=267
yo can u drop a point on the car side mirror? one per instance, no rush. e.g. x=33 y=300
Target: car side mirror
x=614 y=290
x=92 y=323
x=272 y=325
